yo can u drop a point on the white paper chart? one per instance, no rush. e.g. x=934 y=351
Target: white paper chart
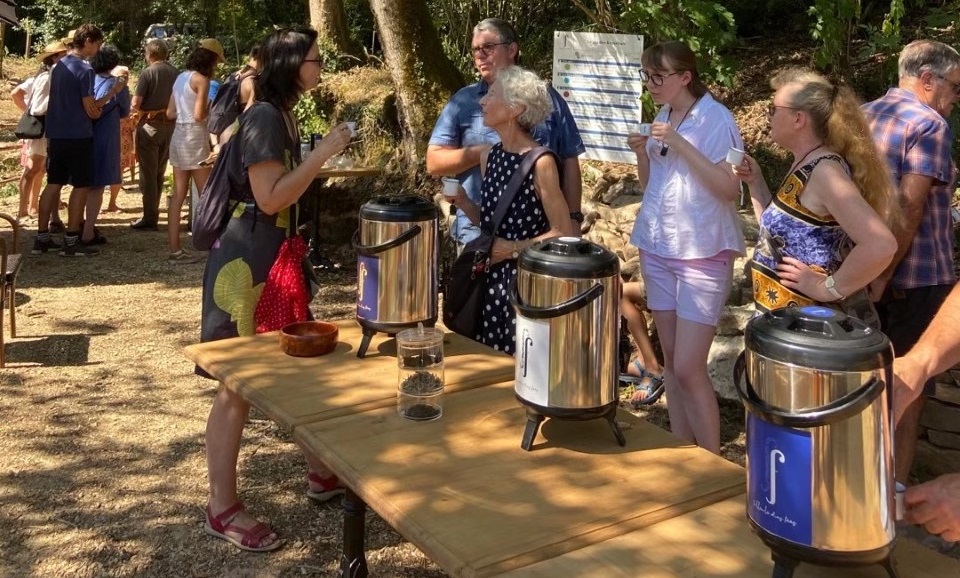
x=598 y=75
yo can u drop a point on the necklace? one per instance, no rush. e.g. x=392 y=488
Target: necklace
x=803 y=158
x=664 y=148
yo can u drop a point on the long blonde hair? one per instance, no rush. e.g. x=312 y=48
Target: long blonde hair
x=838 y=121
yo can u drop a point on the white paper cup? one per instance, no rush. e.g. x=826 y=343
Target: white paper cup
x=735 y=156
x=901 y=506
x=450 y=186
x=353 y=128
x=644 y=129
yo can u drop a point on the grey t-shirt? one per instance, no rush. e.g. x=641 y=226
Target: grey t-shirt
x=263 y=136
x=155 y=85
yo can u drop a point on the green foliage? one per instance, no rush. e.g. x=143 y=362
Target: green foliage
x=9 y=190
x=309 y=119
x=706 y=27
x=834 y=23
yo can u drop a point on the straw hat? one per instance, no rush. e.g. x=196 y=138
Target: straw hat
x=213 y=45
x=52 y=49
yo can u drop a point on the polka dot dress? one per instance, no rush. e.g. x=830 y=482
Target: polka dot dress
x=525 y=219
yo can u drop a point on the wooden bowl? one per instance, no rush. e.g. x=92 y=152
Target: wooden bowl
x=309 y=338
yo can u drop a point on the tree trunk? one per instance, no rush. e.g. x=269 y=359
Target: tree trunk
x=423 y=77
x=329 y=19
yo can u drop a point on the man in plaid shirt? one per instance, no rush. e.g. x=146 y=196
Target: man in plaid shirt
x=910 y=128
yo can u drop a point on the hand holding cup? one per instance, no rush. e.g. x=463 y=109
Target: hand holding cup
x=451 y=187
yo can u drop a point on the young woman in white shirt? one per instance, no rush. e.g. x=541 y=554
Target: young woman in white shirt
x=687 y=231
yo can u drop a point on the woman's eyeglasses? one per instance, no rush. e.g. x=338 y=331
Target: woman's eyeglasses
x=657 y=79
x=772 y=108
x=486 y=49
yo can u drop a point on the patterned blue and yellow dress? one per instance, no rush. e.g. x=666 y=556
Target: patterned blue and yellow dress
x=788 y=229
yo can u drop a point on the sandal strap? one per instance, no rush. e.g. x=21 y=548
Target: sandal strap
x=250 y=537
x=221 y=521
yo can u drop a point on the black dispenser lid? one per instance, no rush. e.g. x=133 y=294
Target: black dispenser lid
x=398 y=208
x=569 y=257
x=819 y=338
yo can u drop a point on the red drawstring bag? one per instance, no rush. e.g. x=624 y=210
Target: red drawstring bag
x=285 y=298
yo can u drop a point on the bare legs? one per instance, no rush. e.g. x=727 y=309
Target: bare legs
x=691 y=401
x=30 y=183
x=112 y=207
x=181 y=187
x=637 y=325
x=224 y=431
x=93 y=204
x=49 y=202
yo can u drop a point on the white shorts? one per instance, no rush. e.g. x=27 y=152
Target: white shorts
x=697 y=289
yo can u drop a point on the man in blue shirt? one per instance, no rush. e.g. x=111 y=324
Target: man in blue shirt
x=460 y=135
x=69 y=128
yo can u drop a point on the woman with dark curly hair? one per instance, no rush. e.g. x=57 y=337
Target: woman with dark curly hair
x=268 y=178
x=106 y=136
x=190 y=143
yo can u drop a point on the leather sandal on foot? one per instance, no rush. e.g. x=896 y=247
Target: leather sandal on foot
x=251 y=539
x=647 y=382
x=329 y=487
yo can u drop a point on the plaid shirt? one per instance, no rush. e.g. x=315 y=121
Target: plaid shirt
x=916 y=140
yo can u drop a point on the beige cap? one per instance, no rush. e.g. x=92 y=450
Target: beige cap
x=213 y=45
x=51 y=49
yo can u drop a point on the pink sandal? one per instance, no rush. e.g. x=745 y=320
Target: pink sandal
x=330 y=487
x=251 y=538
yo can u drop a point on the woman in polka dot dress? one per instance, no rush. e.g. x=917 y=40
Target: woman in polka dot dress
x=515 y=102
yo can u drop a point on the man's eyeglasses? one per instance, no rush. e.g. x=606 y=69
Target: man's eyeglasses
x=486 y=49
x=657 y=79
x=772 y=108
x=954 y=85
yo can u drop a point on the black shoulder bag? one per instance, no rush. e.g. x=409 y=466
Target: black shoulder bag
x=467 y=282
x=30 y=126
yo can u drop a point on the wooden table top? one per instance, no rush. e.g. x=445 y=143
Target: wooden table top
x=463 y=491
x=331 y=172
x=297 y=390
x=714 y=542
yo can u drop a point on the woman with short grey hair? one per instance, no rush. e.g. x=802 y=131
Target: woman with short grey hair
x=515 y=102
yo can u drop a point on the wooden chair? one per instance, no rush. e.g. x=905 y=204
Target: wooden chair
x=10 y=263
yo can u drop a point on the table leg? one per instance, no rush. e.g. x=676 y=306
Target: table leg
x=353 y=563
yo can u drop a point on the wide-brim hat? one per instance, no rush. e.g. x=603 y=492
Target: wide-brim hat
x=213 y=45
x=52 y=49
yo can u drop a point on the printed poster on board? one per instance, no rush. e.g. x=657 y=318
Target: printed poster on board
x=599 y=77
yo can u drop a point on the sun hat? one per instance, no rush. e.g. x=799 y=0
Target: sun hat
x=51 y=49
x=213 y=45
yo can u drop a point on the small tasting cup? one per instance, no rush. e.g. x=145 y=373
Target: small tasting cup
x=900 y=505
x=644 y=129
x=353 y=128
x=450 y=186
x=735 y=156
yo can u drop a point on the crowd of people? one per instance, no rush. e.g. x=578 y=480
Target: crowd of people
x=95 y=130
x=861 y=221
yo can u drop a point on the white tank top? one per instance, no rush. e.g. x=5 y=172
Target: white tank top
x=185 y=98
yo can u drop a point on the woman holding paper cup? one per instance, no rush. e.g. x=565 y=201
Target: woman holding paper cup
x=823 y=235
x=687 y=231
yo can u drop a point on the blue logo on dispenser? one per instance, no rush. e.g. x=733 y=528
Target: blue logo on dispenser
x=368 y=287
x=780 y=480
x=818 y=311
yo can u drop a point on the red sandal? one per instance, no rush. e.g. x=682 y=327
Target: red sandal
x=251 y=538
x=330 y=487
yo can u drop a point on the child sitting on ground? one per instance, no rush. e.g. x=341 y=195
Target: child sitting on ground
x=645 y=376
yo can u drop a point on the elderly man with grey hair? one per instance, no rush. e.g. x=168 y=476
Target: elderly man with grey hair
x=154 y=130
x=460 y=135
x=910 y=128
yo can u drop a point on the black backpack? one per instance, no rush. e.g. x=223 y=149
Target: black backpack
x=215 y=205
x=226 y=106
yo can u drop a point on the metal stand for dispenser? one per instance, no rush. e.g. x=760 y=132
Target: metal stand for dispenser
x=536 y=414
x=788 y=555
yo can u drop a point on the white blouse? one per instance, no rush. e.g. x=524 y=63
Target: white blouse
x=679 y=218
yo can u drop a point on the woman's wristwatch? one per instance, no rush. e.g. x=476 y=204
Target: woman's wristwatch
x=577 y=216
x=830 y=283
x=516 y=251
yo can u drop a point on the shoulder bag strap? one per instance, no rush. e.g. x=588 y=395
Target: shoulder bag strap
x=503 y=203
